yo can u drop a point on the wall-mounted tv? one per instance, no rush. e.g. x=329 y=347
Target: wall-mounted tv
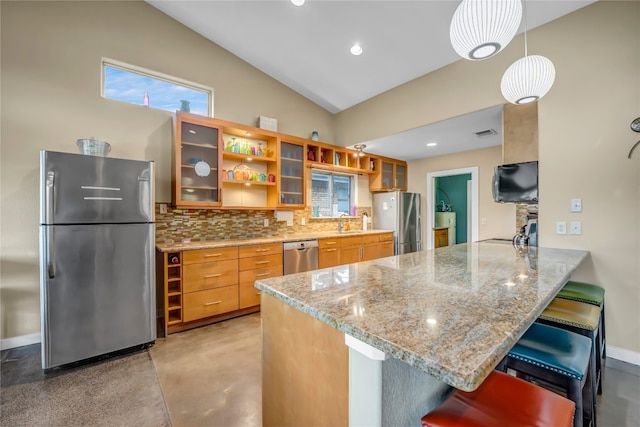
x=516 y=183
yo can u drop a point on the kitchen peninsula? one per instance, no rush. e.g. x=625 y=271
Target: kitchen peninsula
x=427 y=321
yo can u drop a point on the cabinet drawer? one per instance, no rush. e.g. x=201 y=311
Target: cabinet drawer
x=250 y=276
x=350 y=241
x=260 y=262
x=249 y=295
x=258 y=250
x=385 y=237
x=198 y=305
x=329 y=243
x=207 y=275
x=371 y=238
x=206 y=255
x=386 y=249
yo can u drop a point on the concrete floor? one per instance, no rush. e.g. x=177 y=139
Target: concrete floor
x=204 y=377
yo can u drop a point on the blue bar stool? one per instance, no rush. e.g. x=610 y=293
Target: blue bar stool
x=559 y=359
x=580 y=318
x=502 y=400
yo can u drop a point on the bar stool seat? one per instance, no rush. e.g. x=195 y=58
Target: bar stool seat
x=589 y=294
x=558 y=359
x=502 y=400
x=581 y=318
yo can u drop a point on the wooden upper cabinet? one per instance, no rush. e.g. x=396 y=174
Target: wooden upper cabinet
x=291 y=180
x=520 y=133
x=195 y=174
x=388 y=174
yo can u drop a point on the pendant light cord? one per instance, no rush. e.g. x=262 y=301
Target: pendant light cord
x=525 y=27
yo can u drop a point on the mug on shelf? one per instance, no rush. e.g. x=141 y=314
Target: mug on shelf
x=272 y=178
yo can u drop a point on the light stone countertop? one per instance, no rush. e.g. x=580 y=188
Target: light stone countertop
x=453 y=312
x=210 y=244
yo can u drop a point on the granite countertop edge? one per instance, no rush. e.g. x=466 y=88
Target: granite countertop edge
x=211 y=244
x=467 y=381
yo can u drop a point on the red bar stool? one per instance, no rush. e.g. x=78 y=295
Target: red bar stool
x=502 y=400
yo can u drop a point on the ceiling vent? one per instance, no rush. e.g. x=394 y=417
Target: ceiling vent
x=486 y=132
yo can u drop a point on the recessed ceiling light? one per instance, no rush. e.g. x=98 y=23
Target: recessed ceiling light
x=431 y=144
x=297 y=2
x=356 y=49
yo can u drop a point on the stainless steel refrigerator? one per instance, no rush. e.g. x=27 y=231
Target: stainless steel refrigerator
x=399 y=211
x=97 y=272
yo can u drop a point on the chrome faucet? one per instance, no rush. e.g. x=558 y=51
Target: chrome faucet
x=340 y=221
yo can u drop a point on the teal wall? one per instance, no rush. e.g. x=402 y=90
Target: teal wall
x=455 y=187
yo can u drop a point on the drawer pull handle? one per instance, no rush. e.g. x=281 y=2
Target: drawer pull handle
x=258 y=293
x=331 y=250
x=262 y=262
x=263 y=250
x=209 y=276
x=330 y=243
x=212 y=303
x=262 y=274
x=210 y=255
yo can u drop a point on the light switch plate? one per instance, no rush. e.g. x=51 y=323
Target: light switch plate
x=265 y=222
x=561 y=227
x=576 y=228
x=163 y=208
x=576 y=205
x=289 y=223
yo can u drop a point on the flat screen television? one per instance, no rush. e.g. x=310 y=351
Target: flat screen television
x=516 y=183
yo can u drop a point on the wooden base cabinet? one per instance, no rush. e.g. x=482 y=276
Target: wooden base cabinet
x=440 y=237
x=257 y=262
x=210 y=282
x=349 y=249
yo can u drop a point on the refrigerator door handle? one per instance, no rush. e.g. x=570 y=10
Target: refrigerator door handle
x=51 y=261
x=48 y=198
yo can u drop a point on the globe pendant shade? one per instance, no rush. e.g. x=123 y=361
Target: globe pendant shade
x=482 y=28
x=528 y=79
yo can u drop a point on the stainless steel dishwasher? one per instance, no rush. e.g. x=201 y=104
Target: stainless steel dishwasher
x=300 y=256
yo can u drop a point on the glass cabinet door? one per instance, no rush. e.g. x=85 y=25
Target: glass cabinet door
x=197 y=157
x=291 y=174
x=401 y=176
x=387 y=175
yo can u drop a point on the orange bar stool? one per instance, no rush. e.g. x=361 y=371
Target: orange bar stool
x=560 y=360
x=581 y=318
x=502 y=400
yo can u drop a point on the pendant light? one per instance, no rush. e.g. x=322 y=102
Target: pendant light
x=529 y=78
x=482 y=28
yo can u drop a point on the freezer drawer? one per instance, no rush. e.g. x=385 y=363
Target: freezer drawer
x=97 y=290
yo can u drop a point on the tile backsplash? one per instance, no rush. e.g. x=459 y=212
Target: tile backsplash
x=184 y=225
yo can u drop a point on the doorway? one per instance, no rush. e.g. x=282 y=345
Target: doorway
x=470 y=190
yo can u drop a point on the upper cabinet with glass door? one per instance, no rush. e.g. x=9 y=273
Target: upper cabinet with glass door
x=197 y=156
x=291 y=188
x=388 y=174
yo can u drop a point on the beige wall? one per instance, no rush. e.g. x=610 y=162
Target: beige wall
x=50 y=82
x=499 y=218
x=584 y=138
x=50 y=97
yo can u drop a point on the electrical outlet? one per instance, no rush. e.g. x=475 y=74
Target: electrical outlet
x=265 y=222
x=163 y=208
x=483 y=221
x=576 y=205
x=561 y=227
x=303 y=221
x=289 y=223
x=576 y=228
